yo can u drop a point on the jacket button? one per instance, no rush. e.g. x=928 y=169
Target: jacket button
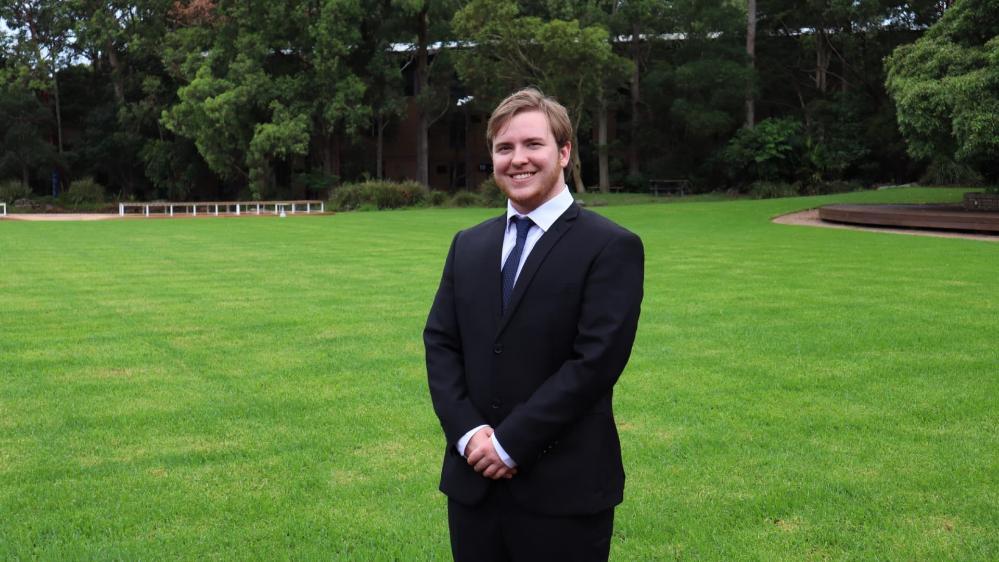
x=495 y=404
x=498 y=348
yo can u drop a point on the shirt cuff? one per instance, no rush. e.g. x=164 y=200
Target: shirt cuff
x=463 y=442
x=510 y=463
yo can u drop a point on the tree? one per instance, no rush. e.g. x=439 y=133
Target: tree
x=43 y=45
x=841 y=38
x=826 y=60
x=428 y=23
x=109 y=31
x=110 y=88
x=699 y=74
x=512 y=51
x=640 y=21
x=946 y=88
x=266 y=83
x=751 y=55
x=375 y=62
x=22 y=141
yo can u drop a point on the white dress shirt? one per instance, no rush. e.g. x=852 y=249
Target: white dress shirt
x=543 y=217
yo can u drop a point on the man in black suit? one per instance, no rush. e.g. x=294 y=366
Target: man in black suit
x=531 y=326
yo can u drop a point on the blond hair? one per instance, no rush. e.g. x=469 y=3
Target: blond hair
x=530 y=99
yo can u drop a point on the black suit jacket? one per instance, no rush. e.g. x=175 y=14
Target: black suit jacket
x=541 y=374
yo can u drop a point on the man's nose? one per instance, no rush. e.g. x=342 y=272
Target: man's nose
x=519 y=155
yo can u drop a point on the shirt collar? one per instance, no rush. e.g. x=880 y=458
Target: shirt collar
x=549 y=211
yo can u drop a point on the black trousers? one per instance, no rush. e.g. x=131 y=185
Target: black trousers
x=499 y=529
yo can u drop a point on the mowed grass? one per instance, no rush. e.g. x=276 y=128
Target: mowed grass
x=254 y=389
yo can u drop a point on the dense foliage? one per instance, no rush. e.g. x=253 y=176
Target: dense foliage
x=216 y=99
x=946 y=87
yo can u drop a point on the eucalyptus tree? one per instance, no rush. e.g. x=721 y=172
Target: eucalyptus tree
x=843 y=33
x=43 y=44
x=826 y=58
x=118 y=33
x=508 y=50
x=640 y=21
x=121 y=44
x=426 y=25
x=377 y=63
x=620 y=18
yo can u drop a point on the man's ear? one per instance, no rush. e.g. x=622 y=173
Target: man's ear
x=564 y=152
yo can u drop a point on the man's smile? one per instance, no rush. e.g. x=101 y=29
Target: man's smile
x=522 y=175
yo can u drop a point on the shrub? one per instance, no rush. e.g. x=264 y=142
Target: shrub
x=834 y=186
x=636 y=183
x=490 y=194
x=771 y=151
x=466 y=199
x=378 y=194
x=944 y=171
x=437 y=198
x=84 y=190
x=772 y=189
x=12 y=190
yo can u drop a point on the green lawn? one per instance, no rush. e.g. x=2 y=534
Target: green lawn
x=254 y=388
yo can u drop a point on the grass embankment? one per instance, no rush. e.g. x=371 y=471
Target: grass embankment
x=254 y=388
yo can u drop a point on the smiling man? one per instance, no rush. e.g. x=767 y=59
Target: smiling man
x=530 y=329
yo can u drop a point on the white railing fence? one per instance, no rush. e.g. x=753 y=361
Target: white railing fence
x=3 y=209
x=217 y=208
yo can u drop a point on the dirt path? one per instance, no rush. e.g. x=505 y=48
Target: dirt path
x=58 y=216
x=811 y=218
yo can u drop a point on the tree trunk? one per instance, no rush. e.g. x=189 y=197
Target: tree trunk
x=380 y=146
x=821 y=60
x=329 y=150
x=58 y=104
x=633 y=164
x=804 y=106
x=602 y=159
x=751 y=54
x=25 y=175
x=324 y=153
x=119 y=89
x=577 y=165
x=423 y=122
x=469 y=160
x=335 y=156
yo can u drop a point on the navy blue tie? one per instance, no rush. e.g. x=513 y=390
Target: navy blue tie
x=513 y=260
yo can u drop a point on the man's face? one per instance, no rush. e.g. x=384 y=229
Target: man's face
x=527 y=163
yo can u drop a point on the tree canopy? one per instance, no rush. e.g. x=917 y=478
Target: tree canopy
x=513 y=50
x=946 y=88
x=195 y=99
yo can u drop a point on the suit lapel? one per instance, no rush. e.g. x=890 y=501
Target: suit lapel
x=534 y=261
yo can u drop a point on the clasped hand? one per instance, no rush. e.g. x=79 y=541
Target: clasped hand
x=482 y=456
